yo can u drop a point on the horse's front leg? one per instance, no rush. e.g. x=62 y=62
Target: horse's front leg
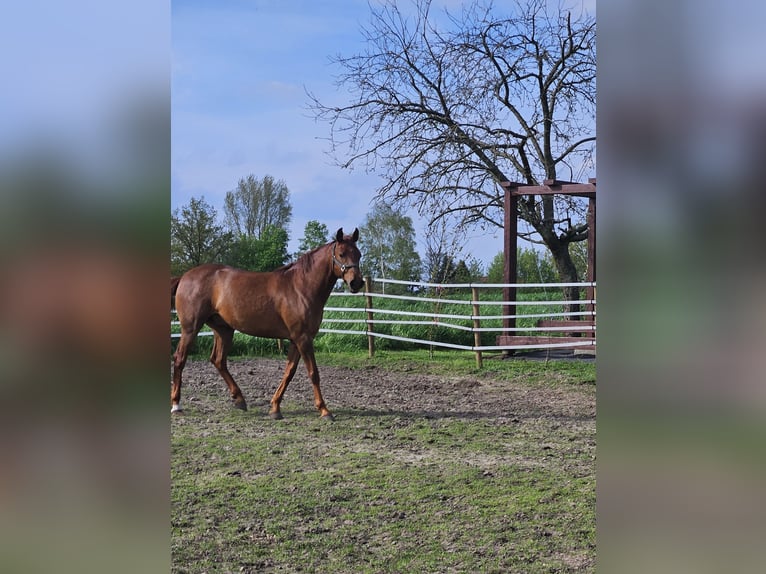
x=307 y=352
x=293 y=356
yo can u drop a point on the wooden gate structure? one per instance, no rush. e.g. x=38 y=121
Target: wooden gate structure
x=511 y=224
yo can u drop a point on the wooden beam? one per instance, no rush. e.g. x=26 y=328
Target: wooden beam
x=512 y=184
x=553 y=187
x=521 y=340
x=558 y=182
x=588 y=327
x=552 y=323
x=539 y=190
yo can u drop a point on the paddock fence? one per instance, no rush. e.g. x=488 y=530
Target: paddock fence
x=467 y=316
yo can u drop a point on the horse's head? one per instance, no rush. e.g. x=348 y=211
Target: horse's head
x=345 y=259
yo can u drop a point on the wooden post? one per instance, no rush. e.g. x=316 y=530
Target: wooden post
x=592 y=253
x=591 y=276
x=370 y=315
x=476 y=325
x=510 y=242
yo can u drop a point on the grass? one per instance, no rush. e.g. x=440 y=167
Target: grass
x=311 y=499
x=390 y=492
x=451 y=363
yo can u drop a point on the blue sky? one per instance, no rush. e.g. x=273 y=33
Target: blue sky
x=239 y=81
x=240 y=71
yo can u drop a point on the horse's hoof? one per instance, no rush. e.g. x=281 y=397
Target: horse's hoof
x=241 y=405
x=276 y=416
x=327 y=417
x=176 y=409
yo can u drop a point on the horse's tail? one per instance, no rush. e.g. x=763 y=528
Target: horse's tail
x=173 y=288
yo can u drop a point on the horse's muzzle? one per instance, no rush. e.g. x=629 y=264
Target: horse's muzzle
x=356 y=284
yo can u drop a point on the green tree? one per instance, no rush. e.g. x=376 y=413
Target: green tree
x=534 y=267
x=475 y=268
x=531 y=267
x=387 y=243
x=443 y=244
x=195 y=237
x=496 y=269
x=260 y=254
x=441 y=269
x=579 y=253
x=447 y=270
x=314 y=235
x=257 y=204
x=462 y=273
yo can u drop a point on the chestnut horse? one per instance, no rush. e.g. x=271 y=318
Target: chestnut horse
x=286 y=303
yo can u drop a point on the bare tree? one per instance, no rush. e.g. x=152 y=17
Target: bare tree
x=448 y=106
x=444 y=246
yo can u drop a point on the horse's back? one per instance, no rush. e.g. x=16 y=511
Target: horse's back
x=249 y=301
x=198 y=280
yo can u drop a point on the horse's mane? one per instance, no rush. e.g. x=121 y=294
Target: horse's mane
x=305 y=261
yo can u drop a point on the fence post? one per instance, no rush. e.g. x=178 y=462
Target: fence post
x=592 y=307
x=510 y=263
x=476 y=325
x=370 y=328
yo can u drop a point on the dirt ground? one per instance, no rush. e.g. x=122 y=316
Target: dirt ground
x=374 y=389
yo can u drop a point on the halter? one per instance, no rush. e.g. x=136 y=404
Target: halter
x=335 y=261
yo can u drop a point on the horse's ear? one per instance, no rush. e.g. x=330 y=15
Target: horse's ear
x=339 y=235
x=356 y=235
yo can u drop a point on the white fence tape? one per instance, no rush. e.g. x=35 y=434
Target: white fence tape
x=437 y=319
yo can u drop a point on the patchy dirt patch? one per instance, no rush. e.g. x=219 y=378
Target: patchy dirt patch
x=375 y=390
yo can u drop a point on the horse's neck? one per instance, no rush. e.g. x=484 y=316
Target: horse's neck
x=322 y=280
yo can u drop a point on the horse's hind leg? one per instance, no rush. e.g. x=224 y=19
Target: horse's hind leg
x=293 y=356
x=224 y=335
